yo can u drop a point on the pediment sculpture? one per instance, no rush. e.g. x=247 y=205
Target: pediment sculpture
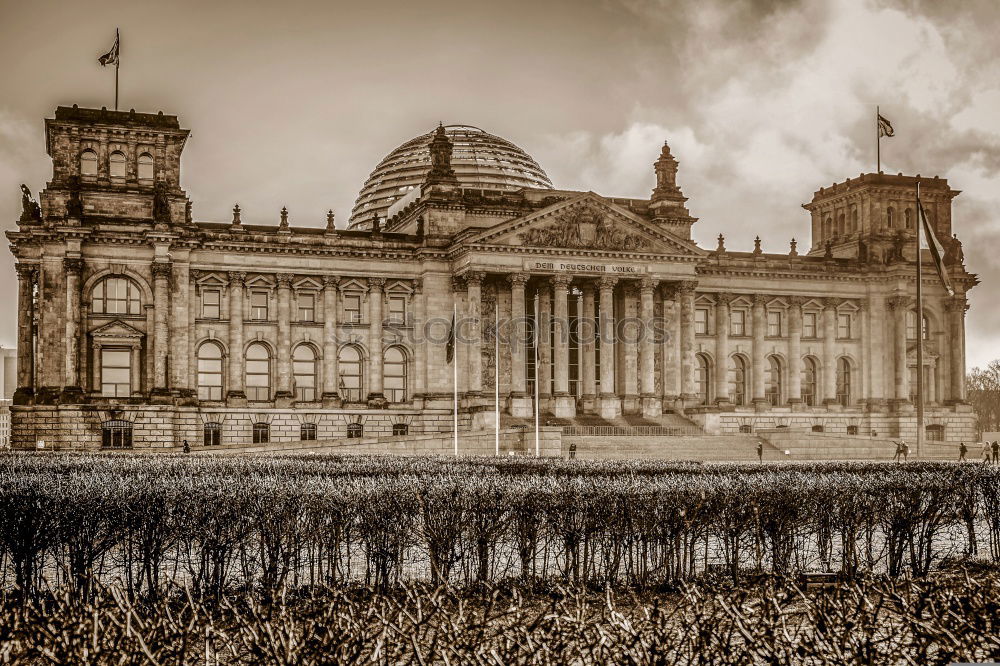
x=583 y=227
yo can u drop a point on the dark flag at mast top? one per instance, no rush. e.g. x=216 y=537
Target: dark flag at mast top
x=112 y=58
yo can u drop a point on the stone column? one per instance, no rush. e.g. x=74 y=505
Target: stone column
x=671 y=346
x=376 y=288
x=899 y=306
x=686 y=295
x=587 y=332
x=474 y=328
x=416 y=318
x=564 y=405
x=193 y=304
x=651 y=406
x=161 y=326
x=829 y=358
x=543 y=369
x=72 y=392
x=283 y=395
x=956 y=308
x=795 y=352
x=722 y=301
x=236 y=396
x=330 y=397
x=610 y=404
x=180 y=339
x=520 y=403
x=26 y=276
x=757 y=360
x=876 y=350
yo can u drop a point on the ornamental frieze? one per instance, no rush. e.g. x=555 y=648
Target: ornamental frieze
x=583 y=227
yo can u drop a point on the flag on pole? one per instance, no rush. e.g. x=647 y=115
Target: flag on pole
x=884 y=127
x=111 y=57
x=937 y=251
x=449 y=349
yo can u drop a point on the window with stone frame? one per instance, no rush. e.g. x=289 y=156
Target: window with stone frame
x=394 y=374
x=772 y=386
x=738 y=323
x=117 y=165
x=935 y=432
x=774 y=318
x=211 y=303
x=116 y=372
x=144 y=167
x=397 y=310
x=701 y=321
x=261 y=433
x=115 y=295
x=738 y=395
x=809 y=324
x=213 y=434
x=844 y=382
x=210 y=371
x=355 y=431
x=844 y=326
x=703 y=379
x=852 y=430
x=258 y=373
x=116 y=434
x=258 y=305
x=399 y=429
x=349 y=364
x=352 y=307
x=304 y=373
x=911 y=326
x=810 y=374
x=307 y=432
x=88 y=163
x=307 y=306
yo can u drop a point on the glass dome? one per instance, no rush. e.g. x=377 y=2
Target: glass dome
x=480 y=160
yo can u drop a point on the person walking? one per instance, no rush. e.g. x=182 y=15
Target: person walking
x=572 y=451
x=760 y=451
x=996 y=451
x=985 y=453
x=962 y=450
x=187 y=448
x=899 y=451
x=906 y=449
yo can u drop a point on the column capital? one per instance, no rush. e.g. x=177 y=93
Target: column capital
x=647 y=285
x=331 y=281
x=518 y=279
x=26 y=271
x=194 y=275
x=474 y=278
x=796 y=301
x=376 y=283
x=73 y=265
x=686 y=287
x=161 y=269
x=899 y=302
x=607 y=282
x=560 y=281
x=418 y=285
x=759 y=300
x=284 y=279
x=237 y=278
x=831 y=302
x=724 y=298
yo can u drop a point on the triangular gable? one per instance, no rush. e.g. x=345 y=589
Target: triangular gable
x=307 y=284
x=116 y=329
x=586 y=221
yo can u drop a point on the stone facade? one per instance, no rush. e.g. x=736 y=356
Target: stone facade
x=139 y=326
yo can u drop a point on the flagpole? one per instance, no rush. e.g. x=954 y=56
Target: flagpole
x=117 y=60
x=535 y=345
x=878 y=144
x=454 y=369
x=920 y=335
x=496 y=370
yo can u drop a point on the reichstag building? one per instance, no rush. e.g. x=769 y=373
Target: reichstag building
x=140 y=325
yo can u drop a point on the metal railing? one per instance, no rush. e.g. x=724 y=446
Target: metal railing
x=633 y=431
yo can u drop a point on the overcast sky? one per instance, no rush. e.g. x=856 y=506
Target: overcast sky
x=293 y=103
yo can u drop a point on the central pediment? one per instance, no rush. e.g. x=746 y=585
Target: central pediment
x=586 y=222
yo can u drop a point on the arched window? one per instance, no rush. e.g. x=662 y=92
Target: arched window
x=258 y=372
x=261 y=433
x=116 y=434
x=888 y=217
x=911 y=326
x=145 y=167
x=394 y=374
x=772 y=390
x=213 y=434
x=844 y=382
x=116 y=164
x=349 y=363
x=827 y=227
x=739 y=396
x=307 y=432
x=355 y=430
x=703 y=379
x=304 y=371
x=210 y=371
x=400 y=429
x=809 y=375
x=115 y=295
x=842 y=225
x=854 y=219
x=907 y=218
x=88 y=163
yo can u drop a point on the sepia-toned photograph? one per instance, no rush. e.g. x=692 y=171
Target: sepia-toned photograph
x=550 y=332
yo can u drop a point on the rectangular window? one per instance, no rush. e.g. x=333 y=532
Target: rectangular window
x=352 y=308
x=774 y=323
x=213 y=434
x=844 y=326
x=116 y=373
x=211 y=301
x=397 y=310
x=307 y=307
x=258 y=305
x=701 y=321
x=738 y=322
x=808 y=324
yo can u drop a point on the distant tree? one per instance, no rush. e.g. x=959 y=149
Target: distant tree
x=983 y=390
